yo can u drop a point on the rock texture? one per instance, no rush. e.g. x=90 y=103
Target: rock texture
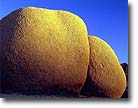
x=105 y=76
x=43 y=50
x=125 y=68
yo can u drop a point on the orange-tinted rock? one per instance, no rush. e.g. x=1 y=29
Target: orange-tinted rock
x=46 y=50
x=106 y=77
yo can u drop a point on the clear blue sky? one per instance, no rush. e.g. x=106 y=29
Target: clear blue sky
x=107 y=19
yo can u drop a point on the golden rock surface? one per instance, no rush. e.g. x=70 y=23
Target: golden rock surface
x=105 y=77
x=43 y=49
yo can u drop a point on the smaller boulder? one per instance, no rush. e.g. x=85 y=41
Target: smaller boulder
x=105 y=77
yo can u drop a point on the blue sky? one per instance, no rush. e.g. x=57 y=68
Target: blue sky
x=107 y=19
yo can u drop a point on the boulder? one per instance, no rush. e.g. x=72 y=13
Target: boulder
x=43 y=50
x=125 y=68
x=105 y=77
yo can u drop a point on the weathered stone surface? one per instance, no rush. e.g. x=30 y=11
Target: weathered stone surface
x=43 y=50
x=125 y=68
x=105 y=76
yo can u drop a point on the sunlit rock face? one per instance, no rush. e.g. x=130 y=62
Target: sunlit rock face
x=106 y=77
x=44 y=50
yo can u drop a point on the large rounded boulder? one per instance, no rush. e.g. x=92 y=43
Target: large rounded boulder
x=43 y=49
x=106 y=77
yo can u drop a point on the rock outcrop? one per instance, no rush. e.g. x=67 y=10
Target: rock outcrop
x=106 y=77
x=125 y=68
x=43 y=50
